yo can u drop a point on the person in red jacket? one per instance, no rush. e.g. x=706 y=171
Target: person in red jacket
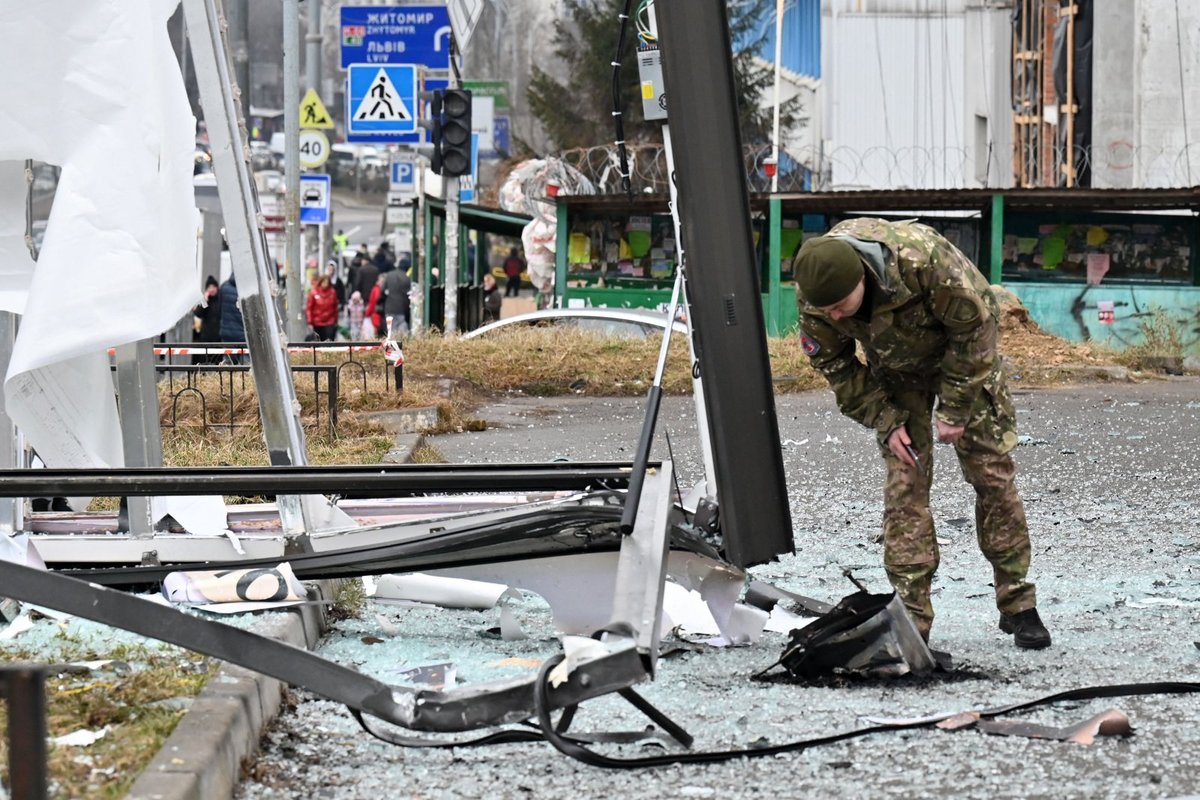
x=374 y=308
x=322 y=309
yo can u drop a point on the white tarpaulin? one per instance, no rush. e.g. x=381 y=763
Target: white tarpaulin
x=93 y=87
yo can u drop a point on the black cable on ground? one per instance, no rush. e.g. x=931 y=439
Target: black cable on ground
x=576 y=746
x=581 y=753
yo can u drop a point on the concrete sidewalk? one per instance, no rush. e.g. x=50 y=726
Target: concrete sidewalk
x=202 y=759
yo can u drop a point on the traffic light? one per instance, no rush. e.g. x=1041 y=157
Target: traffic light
x=433 y=124
x=456 y=133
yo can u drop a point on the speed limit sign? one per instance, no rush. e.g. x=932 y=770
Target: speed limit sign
x=314 y=148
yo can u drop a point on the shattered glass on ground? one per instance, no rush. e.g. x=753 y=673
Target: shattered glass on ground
x=1110 y=498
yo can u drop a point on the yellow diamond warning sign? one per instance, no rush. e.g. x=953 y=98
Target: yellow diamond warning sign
x=313 y=113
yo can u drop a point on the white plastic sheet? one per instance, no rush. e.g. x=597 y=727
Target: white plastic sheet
x=92 y=86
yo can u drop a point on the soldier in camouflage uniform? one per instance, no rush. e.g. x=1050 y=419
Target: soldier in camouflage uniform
x=928 y=325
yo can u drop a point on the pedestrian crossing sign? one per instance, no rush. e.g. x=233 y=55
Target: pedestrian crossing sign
x=313 y=113
x=382 y=99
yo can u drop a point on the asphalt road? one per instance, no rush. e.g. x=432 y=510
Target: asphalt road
x=1109 y=476
x=361 y=219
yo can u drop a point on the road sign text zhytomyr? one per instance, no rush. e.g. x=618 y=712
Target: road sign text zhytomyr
x=395 y=35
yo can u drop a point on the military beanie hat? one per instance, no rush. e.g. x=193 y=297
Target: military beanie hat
x=827 y=270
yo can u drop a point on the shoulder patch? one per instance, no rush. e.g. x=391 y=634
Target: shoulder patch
x=957 y=308
x=809 y=345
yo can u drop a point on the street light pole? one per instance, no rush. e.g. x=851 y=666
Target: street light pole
x=774 y=169
x=293 y=265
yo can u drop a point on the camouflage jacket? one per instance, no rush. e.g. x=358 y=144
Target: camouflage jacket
x=934 y=322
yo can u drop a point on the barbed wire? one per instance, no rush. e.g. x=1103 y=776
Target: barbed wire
x=1117 y=164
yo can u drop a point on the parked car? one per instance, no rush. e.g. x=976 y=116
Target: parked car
x=261 y=157
x=371 y=159
x=341 y=161
x=268 y=180
x=636 y=322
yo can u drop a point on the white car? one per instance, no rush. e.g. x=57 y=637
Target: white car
x=637 y=322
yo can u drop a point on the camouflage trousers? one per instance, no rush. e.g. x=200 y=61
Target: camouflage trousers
x=910 y=549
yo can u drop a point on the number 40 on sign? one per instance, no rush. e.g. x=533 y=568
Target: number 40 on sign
x=314 y=148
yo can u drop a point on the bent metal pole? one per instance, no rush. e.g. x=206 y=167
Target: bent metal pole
x=653 y=401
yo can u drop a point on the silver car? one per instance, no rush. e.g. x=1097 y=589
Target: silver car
x=637 y=322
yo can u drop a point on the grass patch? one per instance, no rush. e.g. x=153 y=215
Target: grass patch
x=1159 y=347
x=350 y=601
x=424 y=453
x=138 y=696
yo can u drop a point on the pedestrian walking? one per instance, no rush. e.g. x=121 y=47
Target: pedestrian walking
x=514 y=265
x=375 y=301
x=206 y=321
x=356 y=315
x=396 y=305
x=232 y=327
x=321 y=309
x=928 y=325
x=365 y=280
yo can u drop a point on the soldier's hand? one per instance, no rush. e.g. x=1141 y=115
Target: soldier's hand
x=950 y=434
x=900 y=443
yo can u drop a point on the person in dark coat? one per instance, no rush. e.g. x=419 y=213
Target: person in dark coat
x=491 y=299
x=368 y=276
x=207 y=321
x=384 y=260
x=232 y=328
x=335 y=280
x=396 y=285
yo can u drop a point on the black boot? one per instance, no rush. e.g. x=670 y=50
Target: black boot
x=1027 y=626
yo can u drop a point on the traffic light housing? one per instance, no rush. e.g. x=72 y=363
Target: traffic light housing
x=456 y=133
x=433 y=123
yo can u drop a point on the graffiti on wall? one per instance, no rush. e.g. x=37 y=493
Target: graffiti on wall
x=1127 y=317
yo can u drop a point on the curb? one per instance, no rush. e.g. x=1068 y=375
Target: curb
x=202 y=758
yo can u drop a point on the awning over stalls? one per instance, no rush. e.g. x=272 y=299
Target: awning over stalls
x=482 y=218
x=882 y=201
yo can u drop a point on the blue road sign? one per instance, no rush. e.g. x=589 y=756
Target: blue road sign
x=466 y=186
x=314 y=199
x=500 y=134
x=382 y=99
x=396 y=35
x=404 y=176
x=419 y=136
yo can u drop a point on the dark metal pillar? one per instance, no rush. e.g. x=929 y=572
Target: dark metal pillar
x=726 y=299
x=23 y=688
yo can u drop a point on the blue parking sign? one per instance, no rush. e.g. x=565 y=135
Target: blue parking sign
x=404 y=176
x=382 y=99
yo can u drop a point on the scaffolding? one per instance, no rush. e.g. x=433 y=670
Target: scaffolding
x=1049 y=147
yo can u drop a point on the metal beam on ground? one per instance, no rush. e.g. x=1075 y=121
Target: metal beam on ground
x=377 y=480
x=623 y=659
